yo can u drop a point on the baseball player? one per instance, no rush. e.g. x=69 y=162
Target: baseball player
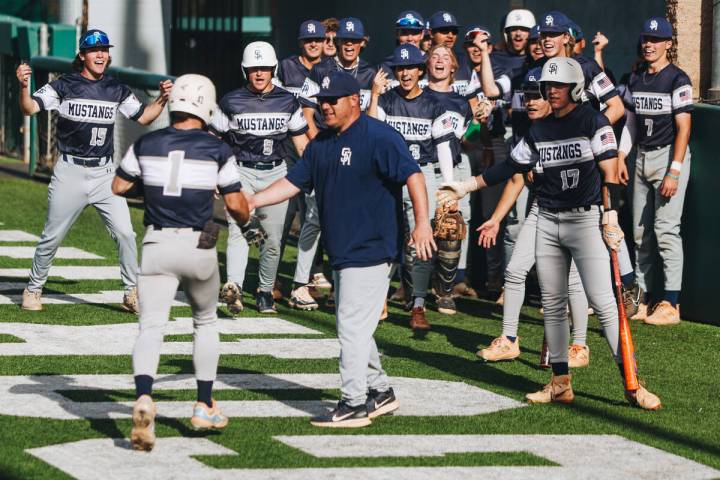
x=518 y=24
x=295 y=69
x=444 y=27
x=522 y=255
x=256 y=121
x=575 y=151
x=358 y=168
x=409 y=28
x=350 y=40
x=428 y=132
x=658 y=122
x=332 y=25
x=87 y=102
x=178 y=169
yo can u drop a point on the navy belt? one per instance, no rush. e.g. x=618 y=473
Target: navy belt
x=87 y=162
x=584 y=208
x=262 y=165
x=653 y=147
x=160 y=227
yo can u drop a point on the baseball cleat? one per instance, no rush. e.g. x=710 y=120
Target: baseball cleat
x=418 y=320
x=320 y=281
x=663 y=314
x=31 y=300
x=130 y=300
x=264 y=302
x=398 y=295
x=343 y=416
x=642 y=398
x=301 y=299
x=578 y=356
x=501 y=349
x=642 y=312
x=559 y=390
x=231 y=294
x=384 y=313
x=463 y=290
x=381 y=403
x=446 y=305
x=631 y=298
x=142 y=435
x=208 y=418
x=277 y=291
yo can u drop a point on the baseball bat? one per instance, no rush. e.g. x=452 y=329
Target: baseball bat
x=627 y=350
x=544 y=355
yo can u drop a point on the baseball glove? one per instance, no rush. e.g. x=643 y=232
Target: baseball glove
x=253 y=231
x=448 y=223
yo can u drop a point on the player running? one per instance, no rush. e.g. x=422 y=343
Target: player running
x=256 y=121
x=87 y=102
x=576 y=152
x=178 y=168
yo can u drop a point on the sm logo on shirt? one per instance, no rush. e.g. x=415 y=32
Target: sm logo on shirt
x=345 y=156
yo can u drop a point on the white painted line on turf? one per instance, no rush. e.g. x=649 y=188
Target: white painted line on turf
x=36 y=396
x=102 y=297
x=63 y=252
x=69 y=273
x=17 y=236
x=590 y=457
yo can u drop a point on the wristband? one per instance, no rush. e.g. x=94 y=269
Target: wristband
x=676 y=166
x=674 y=177
x=614 y=195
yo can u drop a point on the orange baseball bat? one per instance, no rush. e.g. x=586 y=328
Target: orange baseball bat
x=627 y=350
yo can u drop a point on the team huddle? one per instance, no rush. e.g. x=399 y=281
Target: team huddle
x=386 y=166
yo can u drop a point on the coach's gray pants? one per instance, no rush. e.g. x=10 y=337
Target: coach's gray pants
x=521 y=261
x=561 y=238
x=656 y=219
x=360 y=296
x=238 y=250
x=170 y=257
x=72 y=188
x=308 y=241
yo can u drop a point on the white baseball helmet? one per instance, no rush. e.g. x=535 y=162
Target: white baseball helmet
x=564 y=70
x=193 y=94
x=519 y=18
x=259 y=54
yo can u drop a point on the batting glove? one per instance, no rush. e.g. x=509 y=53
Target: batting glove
x=453 y=191
x=612 y=233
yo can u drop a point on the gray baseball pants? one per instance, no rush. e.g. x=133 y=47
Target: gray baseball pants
x=308 y=241
x=360 y=296
x=561 y=238
x=521 y=261
x=254 y=180
x=72 y=188
x=656 y=219
x=170 y=258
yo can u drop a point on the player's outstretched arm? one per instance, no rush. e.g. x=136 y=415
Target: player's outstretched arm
x=155 y=108
x=237 y=207
x=422 y=235
x=511 y=192
x=28 y=106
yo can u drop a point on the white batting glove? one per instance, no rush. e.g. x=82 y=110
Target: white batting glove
x=612 y=233
x=453 y=191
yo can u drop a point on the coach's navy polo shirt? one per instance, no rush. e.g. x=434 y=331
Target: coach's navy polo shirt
x=358 y=177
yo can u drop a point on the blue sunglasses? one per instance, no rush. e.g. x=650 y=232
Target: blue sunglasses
x=95 y=39
x=410 y=23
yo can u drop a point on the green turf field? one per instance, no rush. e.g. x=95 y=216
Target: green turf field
x=680 y=364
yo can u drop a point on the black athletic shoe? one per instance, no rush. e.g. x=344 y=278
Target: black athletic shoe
x=343 y=416
x=381 y=403
x=265 y=302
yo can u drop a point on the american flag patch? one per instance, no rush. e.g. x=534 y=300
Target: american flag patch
x=684 y=95
x=447 y=123
x=607 y=138
x=604 y=82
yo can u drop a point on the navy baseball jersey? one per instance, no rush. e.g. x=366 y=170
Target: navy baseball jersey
x=458 y=108
x=357 y=176
x=461 y=78
x=565 y=152
x=363 y=72
x=422 y=121
x=514 y=65
x=87 y=110
x=598 y=86
x=256 y=125
x=179 y=171
x=656 y=99
x=502 y=81
x=291 y=75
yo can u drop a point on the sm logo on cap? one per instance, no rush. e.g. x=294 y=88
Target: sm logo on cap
x=549 y=21
x=532 y=77
x=404 y=53
x=258 y=55
x=311 y=28
x=350 y=26
x=326 y=83
x=653 y=25
x=447 y=18
x=553 y=68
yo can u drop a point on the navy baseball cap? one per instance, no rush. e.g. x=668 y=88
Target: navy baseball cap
x=405 y=55
x=311 y=29
x=93 y=38
x=410 y=20
x=657 y=27
x=554 y=22
x=352 y=28
x=338 y=84
x=534 y=33
x=473 y=31
x=443 y=19
x=576 y=31
x=531 y=81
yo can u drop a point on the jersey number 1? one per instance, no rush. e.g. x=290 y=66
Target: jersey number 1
x=97 y=137
x=570 y=178
x=173 y=187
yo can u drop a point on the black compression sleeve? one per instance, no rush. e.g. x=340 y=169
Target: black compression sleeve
x=500 y=172
x=614 y=195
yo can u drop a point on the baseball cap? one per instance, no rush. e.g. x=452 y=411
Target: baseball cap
x=93 y=38
x=576 y=31
x=311 y=29
x=338 y=84
x=531 y=81
x=554 y=22
x=473 y=31
x=657 y=27
x=410 y=20
x=352 y=28
x=406 y=55
x=534 y=33
x=443 y=19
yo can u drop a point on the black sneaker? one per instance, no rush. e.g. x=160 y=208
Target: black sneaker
x=265 y=302
x=343 y=416
x=381 y=403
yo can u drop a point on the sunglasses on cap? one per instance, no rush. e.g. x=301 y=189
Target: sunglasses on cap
x=412 y=22
x=446 y=30
x=532 y=94
x=470 y=36
x=96 y=39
